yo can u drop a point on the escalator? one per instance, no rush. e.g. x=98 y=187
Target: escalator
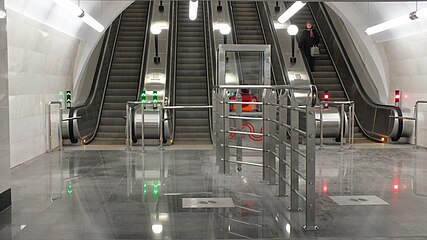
x=324 y=75
x=251 y=25
x=103 y=118
x=334 y=72
x=191 y=81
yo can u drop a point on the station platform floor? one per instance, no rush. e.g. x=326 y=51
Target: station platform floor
x=97 y=192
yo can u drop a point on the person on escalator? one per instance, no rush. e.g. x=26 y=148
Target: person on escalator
x=309 y=38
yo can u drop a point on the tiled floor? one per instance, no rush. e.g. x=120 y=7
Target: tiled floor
x=117 y=194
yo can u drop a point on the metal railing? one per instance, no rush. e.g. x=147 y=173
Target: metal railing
x=131 y=105
x=416 y=121
x=49 y=130
x=351 y=120
x=280 y=137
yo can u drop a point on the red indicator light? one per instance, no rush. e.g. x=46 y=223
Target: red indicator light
x=396 y=98
x=325 y=188
x=396 y=187
x=326 y=96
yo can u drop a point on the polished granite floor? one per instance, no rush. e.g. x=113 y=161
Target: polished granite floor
x=103 y=193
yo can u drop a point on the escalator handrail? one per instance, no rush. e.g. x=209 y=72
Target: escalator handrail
x=171 y=65
x=90 y=139
x=92 y=98
x=273 y=75
x=304 y=58
x=353 y=74
x=144 y=56
x=350 y=66
x=274 y=39
x=235 y=40
x=209 y=56
x=93 y=88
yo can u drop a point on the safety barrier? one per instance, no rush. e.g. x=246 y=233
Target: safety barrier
x=281 y=134
x=351 y=120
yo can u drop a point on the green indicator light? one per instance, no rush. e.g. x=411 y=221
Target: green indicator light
x=155 y=97
x=143 y=97
x=145 y=188
x=68 y=97
x=228 y=93
x=70 y=188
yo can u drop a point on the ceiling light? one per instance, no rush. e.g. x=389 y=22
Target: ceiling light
x=157 y=228
x=75 y=10
x=192 y=12
x=225 y=29
x=422 y=13
x=2 y=13
x=291 y=11
x=292 y=30
x=155 y=29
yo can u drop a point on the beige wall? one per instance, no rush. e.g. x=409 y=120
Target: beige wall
x=4 y=109
x=407 y=59
x=41 y=61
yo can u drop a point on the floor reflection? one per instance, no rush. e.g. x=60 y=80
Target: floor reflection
x=108 y=194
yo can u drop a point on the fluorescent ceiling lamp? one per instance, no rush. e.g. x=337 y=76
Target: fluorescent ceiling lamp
x=291 y=11
x=422 y=13
x=192 y=11
x=78 y=12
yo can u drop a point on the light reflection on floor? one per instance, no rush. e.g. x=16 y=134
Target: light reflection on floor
x=116 y=194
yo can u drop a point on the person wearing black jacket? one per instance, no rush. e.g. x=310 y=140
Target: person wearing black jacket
x=309 y=38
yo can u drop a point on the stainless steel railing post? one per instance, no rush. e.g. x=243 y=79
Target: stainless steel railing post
x=142 y=127
x=226 y=127
x=162 y=123
x=310 y=185
x=294 y=155
x=127 y=127
x=342 y=128
x=272 y=113
x=239 y=125
x=283 y=117
x=353 y=119
x=321 y=126
x=49 y=130
x=265 y=140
